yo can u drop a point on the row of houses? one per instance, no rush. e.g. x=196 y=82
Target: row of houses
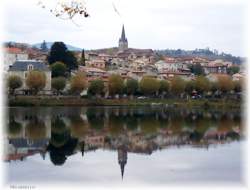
x=161 y=71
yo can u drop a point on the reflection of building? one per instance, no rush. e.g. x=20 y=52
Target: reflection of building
x=95 y=140
x=122 y=157
x=19 y=148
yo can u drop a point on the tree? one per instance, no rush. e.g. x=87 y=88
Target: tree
x=58 y=84
x=131 y=86
x=237 y=86
x=58 y=69
x=96 y=87
x=164 y=87
x=225 y=83
x=115 y=84
x=59 y=52
x=197 y=69
x=14 y=82
x=82 y=61
x=202 y=84
x=149 y=85
x=190 y=87
x=36 y=81
x=71 y=61
x=78 y=83
x=177 y=85
x=233 y=69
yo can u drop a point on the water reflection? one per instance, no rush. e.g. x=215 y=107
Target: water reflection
x=62 y=132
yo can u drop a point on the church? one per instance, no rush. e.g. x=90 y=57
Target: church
x=121 y=56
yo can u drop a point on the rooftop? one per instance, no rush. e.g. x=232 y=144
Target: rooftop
x=22 y=65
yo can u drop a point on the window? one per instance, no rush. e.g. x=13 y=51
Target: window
x=30 y=67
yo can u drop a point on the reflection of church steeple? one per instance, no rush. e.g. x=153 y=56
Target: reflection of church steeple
x=122 y=157
x=82 y=148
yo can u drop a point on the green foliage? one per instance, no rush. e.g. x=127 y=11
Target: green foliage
x=237 y=86
x=82 y=61
x=190 y=86
x=131 y=86
x=177 y=85
x=214 y=86
x=232 y=70
x=78 y=83
x=197 y=69
x=14 y=127
x=36 y=81
x=36 y=129
x=225 y=83
x=202 y=84
x=71 y=61
x=149 y=86
x=58 y=69
x=14 y=82
x=164 y=86
x=96 y=87
x=115 y=84
x=59 y=52
x=58 y=84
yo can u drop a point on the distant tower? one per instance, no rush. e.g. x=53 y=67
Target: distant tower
x=123 y=42
x=122 y=158
x=44 y=46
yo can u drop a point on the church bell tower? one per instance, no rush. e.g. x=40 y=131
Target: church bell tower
x=123 y=42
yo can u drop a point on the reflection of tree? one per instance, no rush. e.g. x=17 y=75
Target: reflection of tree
x=131 y=122
x=163 y=122
x=58 y=155
x=61 y=144
x=95 y=118
x=58 y=126
x=116 y=125
x=202 y=124
x=225 y=124
x=176 y=124
x=14 y=127
x=78 y=126
x=35 y=129
x=149 y=124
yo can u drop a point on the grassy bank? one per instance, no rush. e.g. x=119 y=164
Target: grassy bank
x=77 y=101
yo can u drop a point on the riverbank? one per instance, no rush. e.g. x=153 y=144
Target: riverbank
x=77 y=101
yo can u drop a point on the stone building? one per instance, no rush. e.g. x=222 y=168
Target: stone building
x=22 y=68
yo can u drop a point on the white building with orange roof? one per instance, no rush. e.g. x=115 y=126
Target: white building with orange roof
x=12 y=55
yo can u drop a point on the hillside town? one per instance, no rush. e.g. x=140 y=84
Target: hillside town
x=128 y=63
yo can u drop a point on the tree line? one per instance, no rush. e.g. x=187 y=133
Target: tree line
x=116 y=85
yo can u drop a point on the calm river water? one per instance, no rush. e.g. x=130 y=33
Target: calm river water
x=123 y=145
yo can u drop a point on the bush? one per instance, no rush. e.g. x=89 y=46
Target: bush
x=14 y=82
x=177 y=85
x=58 y=69
x=149 y=86
x=58 y=84
x=115 y=84
x=164 y=86
x=96 y=87
x=78 y=83
x=131 y=86
x=36 y=81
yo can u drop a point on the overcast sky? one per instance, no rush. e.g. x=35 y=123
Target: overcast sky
x=156 y=24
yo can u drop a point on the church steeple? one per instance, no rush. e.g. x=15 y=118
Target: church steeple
x=123 y=36
x=123 y=42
